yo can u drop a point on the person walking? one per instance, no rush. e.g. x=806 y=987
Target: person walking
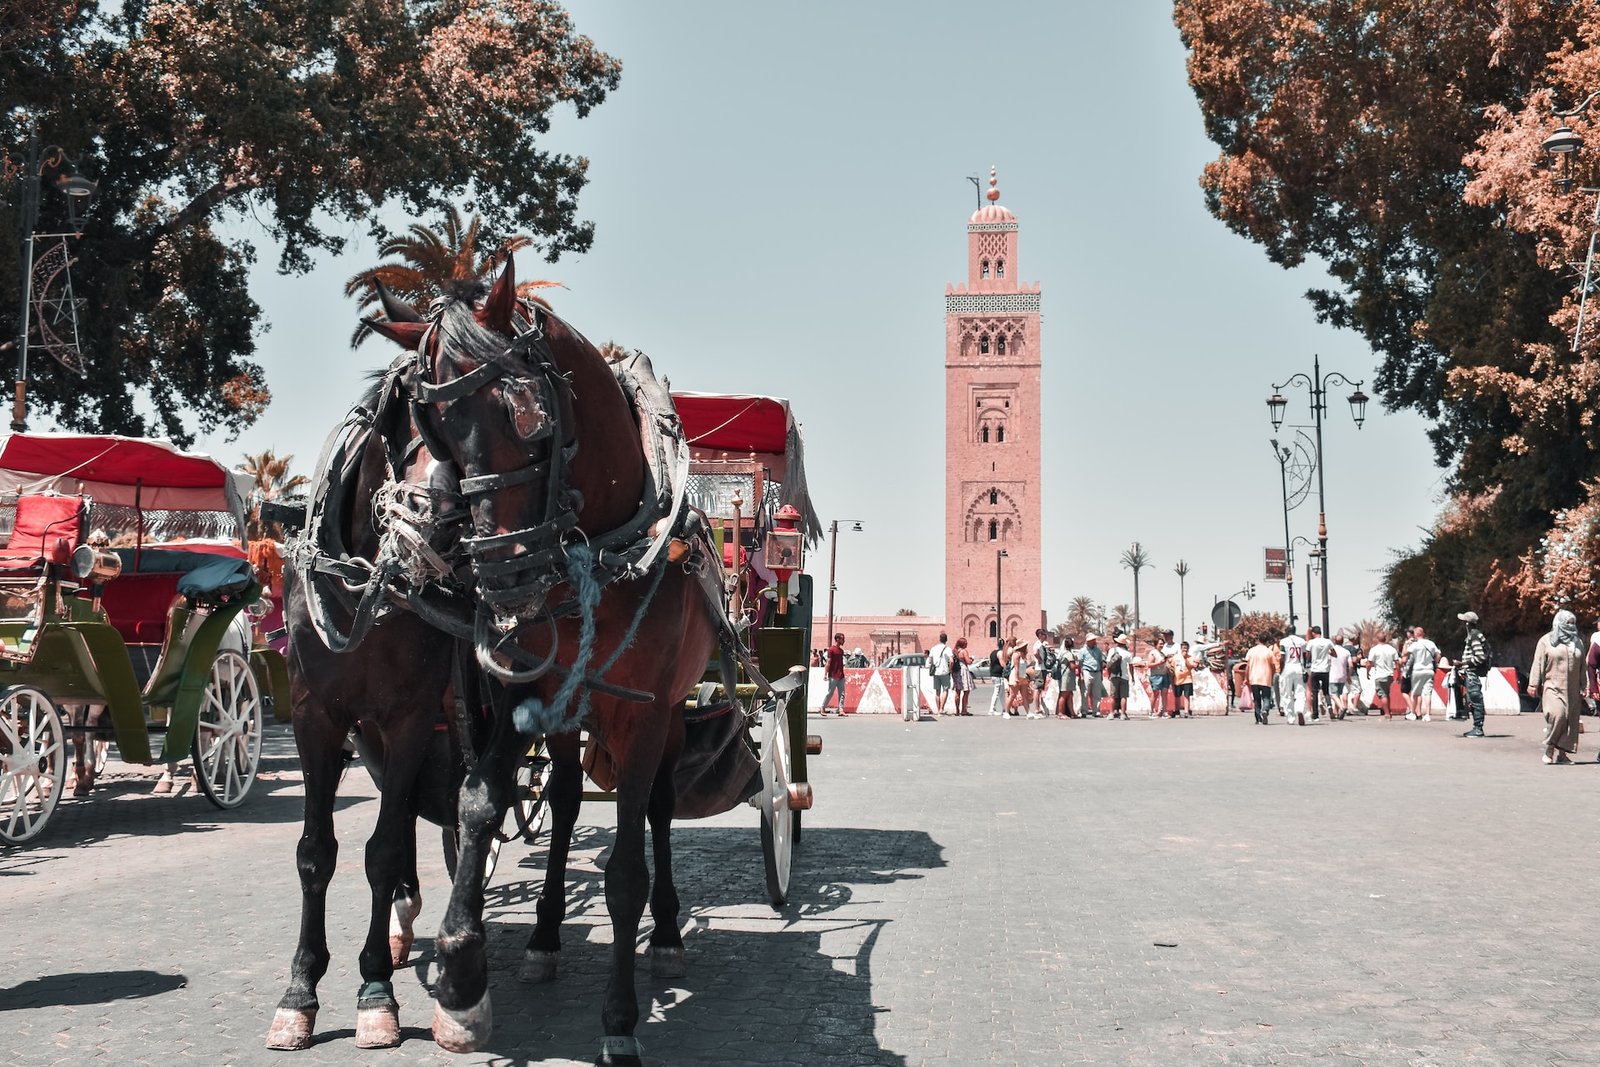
x=1339 y=674
x=1019 y=697
x=1422 y=656
x=1319 y=663
x=999 y=661
x=1091 y=679
x=1472 y=665
x=1292 y=678
x=1556 y=678
x=835 y=675
x=1066 y=679
x=1043 y=651
x=1118 y=675
x=1260 y=666
x=961 y=679
x=1183 y=665
x=941 y=668
x=1382 y=659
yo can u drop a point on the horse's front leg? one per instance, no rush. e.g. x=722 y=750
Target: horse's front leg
x=563 y=796
x=321 y=747
x=390 y=858
x=462 y=1016
x=666 y=940
x=627 y=885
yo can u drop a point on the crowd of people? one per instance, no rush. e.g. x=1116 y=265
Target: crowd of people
x=1301 y=677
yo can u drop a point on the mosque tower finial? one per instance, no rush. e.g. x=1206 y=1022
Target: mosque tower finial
x=994 y=187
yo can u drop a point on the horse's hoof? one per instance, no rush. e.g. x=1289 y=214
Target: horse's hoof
x=538 y=966
x=400 y=948
x=378 y=1026
x=620 y=1052
x=667 y=962
x=463 y=1031
x=82 y=788
x=291 y=1029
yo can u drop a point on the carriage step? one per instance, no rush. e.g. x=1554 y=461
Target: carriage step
x=813 y=744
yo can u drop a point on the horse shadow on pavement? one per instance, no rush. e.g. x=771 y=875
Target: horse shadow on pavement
x=95 y=987
x=764 y=986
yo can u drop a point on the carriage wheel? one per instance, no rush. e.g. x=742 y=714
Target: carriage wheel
x=527 y=804
x=33 y=762
x=777 y=823
x=227 y=739
x=452 y=853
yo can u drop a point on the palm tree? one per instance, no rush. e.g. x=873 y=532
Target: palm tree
x=1083 y=615
x=1136 y=559
x=1120 y=618
x=273 y=482
x=1181 y=569
x=430 y=260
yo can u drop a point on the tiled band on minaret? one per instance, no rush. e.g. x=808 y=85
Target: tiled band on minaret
x=992 y=443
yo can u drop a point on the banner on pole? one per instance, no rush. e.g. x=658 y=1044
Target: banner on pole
x=1277 y=561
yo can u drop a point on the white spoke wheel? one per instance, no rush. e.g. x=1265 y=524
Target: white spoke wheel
x=33 y=762
x=777 y=824
x=227 y=737
x=527 y=801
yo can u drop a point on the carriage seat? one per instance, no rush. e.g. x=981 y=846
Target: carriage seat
x=42 y=520
x=137 y=602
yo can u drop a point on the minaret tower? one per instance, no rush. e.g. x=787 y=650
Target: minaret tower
x=992 y=449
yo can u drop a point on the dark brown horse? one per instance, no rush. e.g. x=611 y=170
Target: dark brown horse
x=537 y=440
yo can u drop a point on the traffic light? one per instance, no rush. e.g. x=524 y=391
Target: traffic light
x=1205 y=628
x=1250 y=590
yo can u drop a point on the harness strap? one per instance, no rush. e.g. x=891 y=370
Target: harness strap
x=485 y=483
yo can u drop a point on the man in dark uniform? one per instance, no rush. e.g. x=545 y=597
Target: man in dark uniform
x=1471 y=667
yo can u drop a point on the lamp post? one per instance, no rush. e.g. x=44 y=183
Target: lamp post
x=999 y=614
x=1181 y=569
x=1283 y=453
x=1564 y=144
x=1313 y=562
x=1317 y=384
x=76 y=188
x=833 y=563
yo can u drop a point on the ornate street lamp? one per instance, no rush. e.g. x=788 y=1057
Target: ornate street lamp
x=999 y=614
x=833 y=563
x=1317 y=384
x=1564 y=145
x=77 y=190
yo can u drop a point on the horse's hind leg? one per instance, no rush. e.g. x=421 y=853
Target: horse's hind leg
x=666 y=940
x=321 y=759
x=563 y=796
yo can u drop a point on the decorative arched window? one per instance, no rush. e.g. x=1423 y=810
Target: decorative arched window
x=994 y=496
x=983 y=343
x=994 y=530
x=1000 y=343
x=999 y=268
x=1000 y=435
x=983 y=435
x=994 y=628
x=984 y=270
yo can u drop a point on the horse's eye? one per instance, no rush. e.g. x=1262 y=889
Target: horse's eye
x=527 y=414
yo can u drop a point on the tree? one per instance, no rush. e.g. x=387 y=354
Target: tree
x=902 y=612
x=1121 y=618
x=430 y=260
x=273 y=482
x=1251 y=626
x=1181 y=569
x=304 y=117
x=1136 y=559
x=1084 y=617
x=1398 y=141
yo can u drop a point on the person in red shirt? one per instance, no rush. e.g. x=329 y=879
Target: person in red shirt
x=835 y=674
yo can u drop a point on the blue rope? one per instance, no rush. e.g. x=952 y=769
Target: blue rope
x=627 y=638
x=534 y=716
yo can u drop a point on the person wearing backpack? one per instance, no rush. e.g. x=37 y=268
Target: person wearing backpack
x=1476 y=658
x=941 y=667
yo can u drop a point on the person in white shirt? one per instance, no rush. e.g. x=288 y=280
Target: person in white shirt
x=941 y=668
x=1292 y=678
x=1422 y=655
x=1339 y=676
x=1381 y=660
x=1318 y=664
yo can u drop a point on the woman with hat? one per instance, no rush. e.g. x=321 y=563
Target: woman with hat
x=1117 y=678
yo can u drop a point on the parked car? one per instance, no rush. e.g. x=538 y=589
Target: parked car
x=980 y=670
x=907 y=659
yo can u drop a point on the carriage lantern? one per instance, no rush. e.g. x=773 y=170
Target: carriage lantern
x=785 y=551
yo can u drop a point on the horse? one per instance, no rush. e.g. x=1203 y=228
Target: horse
x=525 y=428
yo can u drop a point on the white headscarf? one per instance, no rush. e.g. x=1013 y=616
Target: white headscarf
x=1564 y=630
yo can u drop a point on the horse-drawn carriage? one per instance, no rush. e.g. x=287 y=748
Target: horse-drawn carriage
x=122 y=580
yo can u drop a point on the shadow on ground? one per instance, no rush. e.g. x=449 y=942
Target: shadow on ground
x=97 y=987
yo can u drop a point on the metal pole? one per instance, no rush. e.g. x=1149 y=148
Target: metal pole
x=1588 y=264
x=1288 y=546
x=1318 y=404
x=833 y=562
x=30 y=219
x=999 y=618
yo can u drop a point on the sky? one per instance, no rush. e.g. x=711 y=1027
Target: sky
x=780 y=194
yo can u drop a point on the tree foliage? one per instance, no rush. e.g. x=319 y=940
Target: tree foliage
x=1398 y=142
x=302 y=117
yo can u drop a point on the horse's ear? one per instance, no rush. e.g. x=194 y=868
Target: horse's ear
x=405 y=334
x=397 y=310
x=502 y=301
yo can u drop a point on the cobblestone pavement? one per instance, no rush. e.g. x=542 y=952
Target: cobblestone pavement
x=982 y=891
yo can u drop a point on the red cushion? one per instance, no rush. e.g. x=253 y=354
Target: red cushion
x=41 y=516
x=136 y=604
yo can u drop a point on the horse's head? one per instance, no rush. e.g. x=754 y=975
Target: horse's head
x=487 y=395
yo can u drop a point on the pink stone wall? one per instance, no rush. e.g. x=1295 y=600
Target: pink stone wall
x=880 y=636
x=992 y=485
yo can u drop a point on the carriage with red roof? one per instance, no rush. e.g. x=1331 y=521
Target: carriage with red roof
x=122 y=581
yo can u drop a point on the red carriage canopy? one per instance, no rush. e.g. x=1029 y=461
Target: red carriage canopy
x=736 y=425
x=126 y=471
